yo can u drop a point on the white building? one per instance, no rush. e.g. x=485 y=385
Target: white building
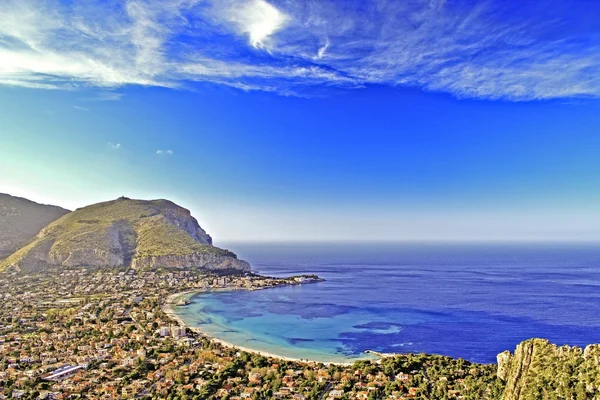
x=178 y=331
x=164 y=331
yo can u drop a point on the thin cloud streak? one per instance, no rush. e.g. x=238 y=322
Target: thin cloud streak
x=291 y=47
x=106 y=96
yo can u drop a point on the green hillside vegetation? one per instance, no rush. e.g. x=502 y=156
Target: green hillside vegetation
x=19 y=254
x=21 y=220
x=156 y=238
x=541 y=370
x=123 y=228
x=440 y=377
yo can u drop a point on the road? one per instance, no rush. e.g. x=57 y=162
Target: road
x=327 y=389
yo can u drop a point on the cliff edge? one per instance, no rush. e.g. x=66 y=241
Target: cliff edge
x=541 y=370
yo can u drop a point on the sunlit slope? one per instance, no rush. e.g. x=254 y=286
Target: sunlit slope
x=541 y=370
x=21 y=220
x=125 y=232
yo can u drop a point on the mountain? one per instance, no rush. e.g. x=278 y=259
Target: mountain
x=541 y=370
x=21 y=220
x=125 y=232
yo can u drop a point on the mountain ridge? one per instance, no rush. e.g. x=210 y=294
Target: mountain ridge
x=21 y=220
x=125 y=232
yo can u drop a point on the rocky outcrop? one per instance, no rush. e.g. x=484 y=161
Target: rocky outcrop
x=514 y=369
x=36 y=254
x=538 y=368
x=183 y=219
x=116 y=249
x=210 y=262
x=21 y=220
x=503 y=360
x=126 y=232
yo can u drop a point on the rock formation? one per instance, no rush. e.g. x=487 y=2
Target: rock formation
x=125 y=232
x=541 y=370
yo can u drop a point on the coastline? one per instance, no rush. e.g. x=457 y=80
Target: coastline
x=168 y=308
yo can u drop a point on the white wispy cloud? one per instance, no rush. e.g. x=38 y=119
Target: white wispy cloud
x=114 y=146
x=167 y=152
x=481 y=50
x=322 y=50
x=106 y=96
x=81 y=108
x=256 y=18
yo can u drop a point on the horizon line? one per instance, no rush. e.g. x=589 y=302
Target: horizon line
x=409 y=241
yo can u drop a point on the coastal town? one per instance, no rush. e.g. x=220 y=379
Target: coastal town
x=104 y=334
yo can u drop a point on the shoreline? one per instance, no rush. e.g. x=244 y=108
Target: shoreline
x=168 y=308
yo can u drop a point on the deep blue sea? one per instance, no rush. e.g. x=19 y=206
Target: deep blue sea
x=463 y=300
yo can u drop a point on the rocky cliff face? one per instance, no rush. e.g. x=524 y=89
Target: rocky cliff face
x=213 y=262
x=183 y=219
x=541 y=370
x=125 y=232
x=21 y=220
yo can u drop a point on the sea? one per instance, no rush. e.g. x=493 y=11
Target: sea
x=468 y=300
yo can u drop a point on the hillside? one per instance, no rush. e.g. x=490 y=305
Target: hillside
x=21 y=220
x=125 y=232
x=541 y=370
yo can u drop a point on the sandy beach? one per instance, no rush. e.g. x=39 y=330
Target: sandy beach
x=168 y=307
x=170 y=304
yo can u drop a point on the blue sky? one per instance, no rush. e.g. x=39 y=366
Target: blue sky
x=302 y=120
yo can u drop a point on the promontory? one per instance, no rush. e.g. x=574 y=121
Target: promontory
x=139 y=234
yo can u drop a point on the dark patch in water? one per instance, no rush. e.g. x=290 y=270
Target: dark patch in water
x=298 y=340
x=310 y=311
x=376 y=325
x=251 y=315
x=231 y=331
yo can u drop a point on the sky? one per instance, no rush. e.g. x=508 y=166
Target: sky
x=311 y=120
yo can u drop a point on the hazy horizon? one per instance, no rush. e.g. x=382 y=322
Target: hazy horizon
x=420 y=228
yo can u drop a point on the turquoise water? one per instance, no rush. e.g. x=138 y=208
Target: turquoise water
x=470 y=301
x=253 y=326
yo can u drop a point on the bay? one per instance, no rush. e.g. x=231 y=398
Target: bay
x=469 y=300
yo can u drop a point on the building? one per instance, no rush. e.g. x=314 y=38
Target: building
x=63 y=372
x=178 y=331
x=164 y=331
x=254 y=377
